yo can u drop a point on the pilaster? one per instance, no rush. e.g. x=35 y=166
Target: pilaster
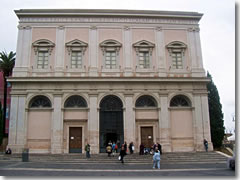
x=127 y=49
x=18 y=125
x=129 y=121
x=164 y=124
x=57 y=126
x=23 y=53
x=160 y=52
x=60 y=50
x=93 y=124
x=93 y=49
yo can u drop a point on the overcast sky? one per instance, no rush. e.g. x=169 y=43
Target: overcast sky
x=217 y=33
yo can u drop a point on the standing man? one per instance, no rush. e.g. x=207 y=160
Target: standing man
x=205 y=142
x=87 y=149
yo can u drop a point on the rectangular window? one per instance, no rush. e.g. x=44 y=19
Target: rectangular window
x=42 y=60
x=144 y=60
x=110 y=60
x=177 y=60
x=76 y=59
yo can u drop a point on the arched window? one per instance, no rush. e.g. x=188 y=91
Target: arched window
x=180 y=101
x=146 y=101
x=111 y=103
x=75 y=102
x=40 y=102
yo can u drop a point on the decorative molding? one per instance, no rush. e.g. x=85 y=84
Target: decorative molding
x=106 y=19
x=193 y=29
x=93 y=27
x=20 y=27
x=61 y=27
x=126 y=28
x=159 y=28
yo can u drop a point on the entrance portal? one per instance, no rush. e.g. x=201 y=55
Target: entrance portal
x=111 y=122
x=147 y=136
x=75 y=140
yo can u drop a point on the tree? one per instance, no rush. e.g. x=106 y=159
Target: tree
x=7 y=62
x=215 y=113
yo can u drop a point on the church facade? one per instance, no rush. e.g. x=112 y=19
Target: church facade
x=94 y=76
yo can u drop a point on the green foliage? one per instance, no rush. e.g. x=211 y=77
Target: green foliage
x=215 y=113
x=7 y=62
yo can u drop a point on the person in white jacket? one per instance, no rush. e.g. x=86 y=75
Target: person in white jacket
x=156 y=158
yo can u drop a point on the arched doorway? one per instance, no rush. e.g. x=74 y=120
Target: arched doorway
x=111 y=121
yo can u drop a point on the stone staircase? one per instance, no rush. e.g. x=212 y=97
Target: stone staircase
x=166 y=158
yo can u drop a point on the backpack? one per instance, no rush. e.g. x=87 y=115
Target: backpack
x=116 y=147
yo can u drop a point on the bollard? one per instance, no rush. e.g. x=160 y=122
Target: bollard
x=25 y=155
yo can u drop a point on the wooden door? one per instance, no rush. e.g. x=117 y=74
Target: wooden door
x=147 y=136
x=75 y=140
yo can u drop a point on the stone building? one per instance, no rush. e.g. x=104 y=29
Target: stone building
x=91 y=76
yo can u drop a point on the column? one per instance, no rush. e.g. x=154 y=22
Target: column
x=129 y=120
x=160 y=52
x=164 y=124
x=127 y=49
x=93 y=51
x=57 y=126
x=60 y=50
x=18 y=124
x=93 y=124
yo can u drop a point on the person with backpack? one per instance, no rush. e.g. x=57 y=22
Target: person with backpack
x=156 y=158
x=87 y=149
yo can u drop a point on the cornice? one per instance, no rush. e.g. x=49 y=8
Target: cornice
x=104 y=16
x=107 y=79
x=106 y=12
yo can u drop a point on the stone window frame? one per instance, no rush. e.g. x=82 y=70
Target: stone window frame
x=144 y=46
x=139 y=104
x=176 y=47
x=113 y=46
x=180 y=101
x=76 y=45
x=40 y=46
x=44 y=102
x=80 y=102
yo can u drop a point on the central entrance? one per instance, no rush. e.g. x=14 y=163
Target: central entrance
x=111 y=122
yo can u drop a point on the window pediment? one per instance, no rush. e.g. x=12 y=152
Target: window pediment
x=176 y=46
x=43 y=44
x=144 y=46
x=110 y=45
x=76 y=45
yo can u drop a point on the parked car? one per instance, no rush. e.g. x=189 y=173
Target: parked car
x=231 y=162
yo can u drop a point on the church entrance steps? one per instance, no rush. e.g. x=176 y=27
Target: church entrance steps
x=166 y=158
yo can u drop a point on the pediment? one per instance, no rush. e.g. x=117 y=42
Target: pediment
x=110 y=43
x=76 y=43
x=177 y=45
x=43 y=43
x=143 y=44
